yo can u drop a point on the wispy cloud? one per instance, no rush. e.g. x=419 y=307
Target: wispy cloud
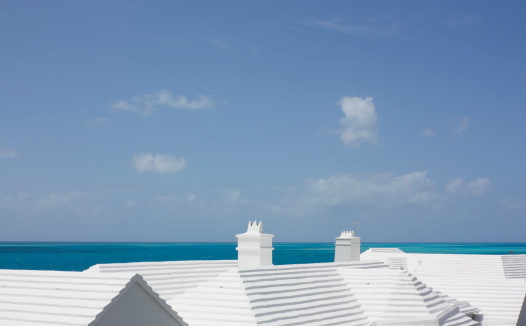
x=220 y=44
x=374 y=192
x=428 y=133
x=8 y=200
x=129 y=204
x=233 y=196
x=97 y=122
x=359 y=121
x=149 y=103
x=147 y=162
x=478 y=187
x=514 y=204
x=359 y=30
x=8 y=153
x=176 y=199
x=20 y=203
x=474 y=188
x=460 y=125
x=58 y=199
x=337 y=193
x=412 y=188
x=455 y=186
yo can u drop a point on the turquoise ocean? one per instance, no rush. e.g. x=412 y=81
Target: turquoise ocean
x=78 y=256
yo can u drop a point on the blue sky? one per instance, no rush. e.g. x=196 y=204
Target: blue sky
x=183 y=120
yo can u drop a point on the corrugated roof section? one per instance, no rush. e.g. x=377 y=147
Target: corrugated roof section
x=316 y=294
x=221 y=301
x=389 y=295
x=492 y=283
x=169 y=279
x=304 y=294
x=55 y=298
x=514 y=266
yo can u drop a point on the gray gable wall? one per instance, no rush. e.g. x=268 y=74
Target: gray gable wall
x=136 y=307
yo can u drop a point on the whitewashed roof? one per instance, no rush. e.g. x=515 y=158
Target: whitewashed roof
x=354 y=293
x=170 y=278
x=495 y=284
x=64 y=298
x=390 y=295
x=514 y=266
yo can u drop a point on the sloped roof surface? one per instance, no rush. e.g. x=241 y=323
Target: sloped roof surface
x=390 y=295
x=220 y=301
x=495 y=284
x=56 y=298
x=304 y=294
x=354 y=293
x=514 y=266
x=170 y=278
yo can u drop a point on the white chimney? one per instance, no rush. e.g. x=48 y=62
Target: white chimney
x=347 y=247
x=254 y=248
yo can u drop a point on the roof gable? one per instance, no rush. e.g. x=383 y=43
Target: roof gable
x=64 y=298
x=137 y=305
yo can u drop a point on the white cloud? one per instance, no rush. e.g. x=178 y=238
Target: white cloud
x=412 y=188
x=428 y=133
x=478 y=187
x=190 y=197
x=460 y=125
x=57 y=199
x=148 y=103
x=8 y=153
x=513 y=204
x=175 y=199
x=231 y=195
x=359 y=123
x=95 y=122
x=474 y=188
x=147 y=162
x=455 y=186
x=9 y=200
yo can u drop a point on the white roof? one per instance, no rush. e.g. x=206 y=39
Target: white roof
x=389 y=295
x=354 y=293
x=170 y=278
x=64 y=298
x=514 y=266
x=495 y=284
x=388 y=287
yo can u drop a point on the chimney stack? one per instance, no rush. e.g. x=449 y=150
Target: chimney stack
x=347 y=247
x=254 y=248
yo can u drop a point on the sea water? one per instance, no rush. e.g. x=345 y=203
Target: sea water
x=78 y=256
